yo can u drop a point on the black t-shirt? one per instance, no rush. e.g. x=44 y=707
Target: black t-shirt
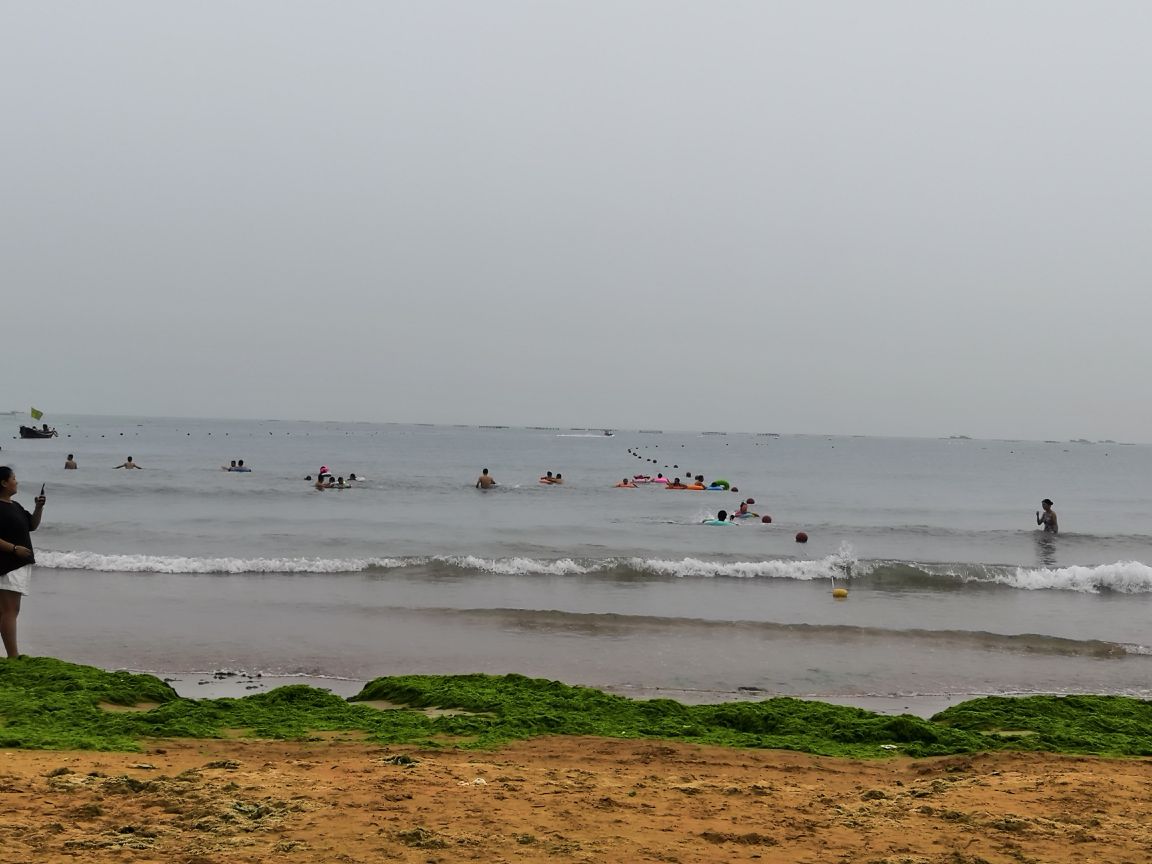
x=15 y=527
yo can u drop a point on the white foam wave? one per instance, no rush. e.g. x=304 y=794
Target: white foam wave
x=832 y=567
x=1125 y=577
x=524 y=566
x=176 y=564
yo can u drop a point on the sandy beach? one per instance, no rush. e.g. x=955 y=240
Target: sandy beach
x=337 y=798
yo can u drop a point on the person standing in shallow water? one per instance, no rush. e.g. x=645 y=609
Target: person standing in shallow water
x=16 y=526
x=1048 y=517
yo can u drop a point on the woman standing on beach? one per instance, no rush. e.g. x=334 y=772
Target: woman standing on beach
x=16 y=527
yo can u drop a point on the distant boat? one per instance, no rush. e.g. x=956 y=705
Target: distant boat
x=609 y=432
x=30 y=432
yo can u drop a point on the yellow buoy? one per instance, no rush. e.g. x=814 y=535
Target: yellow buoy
x=839 y=593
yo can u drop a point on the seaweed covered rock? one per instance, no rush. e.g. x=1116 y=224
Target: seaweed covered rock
x=39 y=677
x=1118 y=725
x=48 y=703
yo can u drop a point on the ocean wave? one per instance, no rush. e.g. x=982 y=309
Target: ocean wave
x=1125 y=577
x=832 y=566
x=837 y=566
x=525 y=566
x=179 y=564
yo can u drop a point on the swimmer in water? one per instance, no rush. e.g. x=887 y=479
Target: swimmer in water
x=1048 y=517
x=128 y=464
x=485 y=480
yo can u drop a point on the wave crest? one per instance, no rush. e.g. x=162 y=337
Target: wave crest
x=178 y=564
x=1125 y=577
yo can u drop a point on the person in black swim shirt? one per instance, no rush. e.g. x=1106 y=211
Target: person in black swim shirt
x=16 y=527
x=1048 y=517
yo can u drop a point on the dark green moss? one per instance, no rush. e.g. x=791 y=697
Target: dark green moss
x=1115 y=725
x=512 y=706
x=46 y=703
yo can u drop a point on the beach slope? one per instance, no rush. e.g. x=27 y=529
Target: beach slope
x=564 y=799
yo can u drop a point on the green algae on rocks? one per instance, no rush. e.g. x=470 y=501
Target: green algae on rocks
x=1112 y=725
x=512 y=706
x=51 y=704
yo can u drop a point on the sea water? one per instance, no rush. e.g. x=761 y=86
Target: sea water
x=182 y=567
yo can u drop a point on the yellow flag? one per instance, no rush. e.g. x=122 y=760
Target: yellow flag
x=36 y=415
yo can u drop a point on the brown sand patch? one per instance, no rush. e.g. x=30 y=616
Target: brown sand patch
x=564 y=799
x=120 y=709
x=385 y=705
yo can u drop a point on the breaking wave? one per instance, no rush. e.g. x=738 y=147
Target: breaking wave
x=1125 y=577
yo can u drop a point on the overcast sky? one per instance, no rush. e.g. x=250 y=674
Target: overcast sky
x=906 y=218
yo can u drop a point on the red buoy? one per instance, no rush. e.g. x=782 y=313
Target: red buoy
x=801 y=537
x=767 y=520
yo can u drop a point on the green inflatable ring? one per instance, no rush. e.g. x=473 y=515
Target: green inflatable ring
x=723 y=484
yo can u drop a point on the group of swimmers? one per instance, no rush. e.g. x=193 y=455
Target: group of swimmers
x=487 y=481
x=237 y=465
x=697 y=483
x=325 y=479
x=723 y=517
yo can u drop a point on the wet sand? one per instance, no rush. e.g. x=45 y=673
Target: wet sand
x=564 y=799
x=237 y=685
x=360 y=627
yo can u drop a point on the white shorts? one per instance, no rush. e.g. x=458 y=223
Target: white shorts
x=18 y=580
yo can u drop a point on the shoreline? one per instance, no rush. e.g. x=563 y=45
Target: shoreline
x=698 y=641
x=237 y=685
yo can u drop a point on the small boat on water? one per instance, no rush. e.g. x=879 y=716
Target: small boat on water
x=32 y=432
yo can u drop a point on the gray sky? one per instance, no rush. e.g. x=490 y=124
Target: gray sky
x=920 y=218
